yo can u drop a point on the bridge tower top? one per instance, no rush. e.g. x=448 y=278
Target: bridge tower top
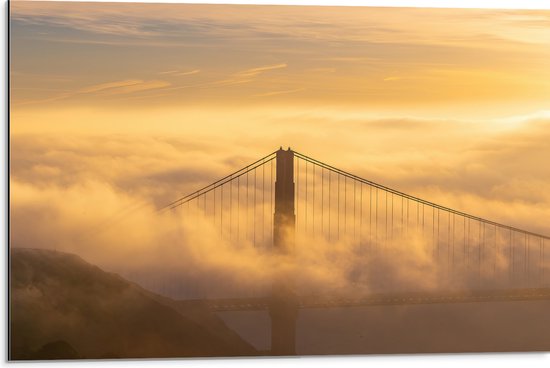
x=284 y=216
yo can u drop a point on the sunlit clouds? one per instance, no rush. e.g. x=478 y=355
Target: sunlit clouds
x=118 y=109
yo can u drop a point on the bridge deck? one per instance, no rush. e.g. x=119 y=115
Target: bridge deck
x=244 y=304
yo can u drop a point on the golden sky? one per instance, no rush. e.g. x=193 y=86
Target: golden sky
x=428 y=61
x=114 y=105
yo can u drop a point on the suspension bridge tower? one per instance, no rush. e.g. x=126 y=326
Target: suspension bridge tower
x=283 y=306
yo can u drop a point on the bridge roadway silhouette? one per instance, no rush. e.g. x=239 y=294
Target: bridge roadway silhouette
x=286 y=196
x=378 y=299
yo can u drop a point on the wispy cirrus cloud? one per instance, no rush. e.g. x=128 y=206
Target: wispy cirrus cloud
x=240 y=77
x=247 y=75
x=253 y=72
x=110 y=88
x=138 y=87
x=275 y=93
x=179 y=73
x=109 y=85
x=237 y=78
x=129 y=86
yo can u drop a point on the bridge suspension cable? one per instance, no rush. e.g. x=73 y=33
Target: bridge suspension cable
x=335 y=206
x=413 y=198
x=486 y=250
x=245 y=170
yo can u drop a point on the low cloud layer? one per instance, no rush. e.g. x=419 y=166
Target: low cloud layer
x=98 y=196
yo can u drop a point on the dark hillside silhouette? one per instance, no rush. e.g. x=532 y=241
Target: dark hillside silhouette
x=63 y=307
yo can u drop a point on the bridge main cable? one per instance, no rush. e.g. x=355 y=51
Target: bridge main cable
x=416 y=199
x=178 y=202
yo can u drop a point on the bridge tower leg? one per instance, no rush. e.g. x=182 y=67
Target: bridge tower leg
x=283 y=306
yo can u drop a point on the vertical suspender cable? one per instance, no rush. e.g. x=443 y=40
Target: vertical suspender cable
x=247 y=209
x=298 y=212
x=417 y=214
x=263 y=205
x=541 y=262
x=438 y=237
x=345 y=206
x=511 y=261
x=313 y=204
x=479 y=253
x=370 y=216
x=408 y=221
x=386 y=215
x=221 y=211
x=338 y=202
x=464 y=241
x=254 y=209
x=322 y=201
x=527 y=246
x=361 y=216
x=376 y=219
x=230 y=209
x=306 y=204
x=271 y=214
x=354 y=215
x=495 y=253
x=402 y=216
x=239 y=209
x=433 y=231
x=453 y=240
x=448 y=241
x=329 y=200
